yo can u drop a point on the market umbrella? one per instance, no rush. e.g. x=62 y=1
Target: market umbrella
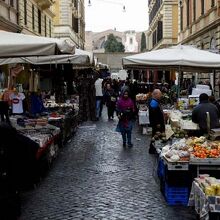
x=17 y=44
x=80 y=58
x=177 y=57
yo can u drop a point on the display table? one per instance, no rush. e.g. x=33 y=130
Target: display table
x=203 y=204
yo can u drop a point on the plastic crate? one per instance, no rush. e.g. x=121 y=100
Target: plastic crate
x=176 y=195
x=178 y=178
x=161 y=169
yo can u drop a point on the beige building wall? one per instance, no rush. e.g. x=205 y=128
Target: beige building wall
x=9 y=16
x=36 y=17
x=201 y=30
x=163 y=24
x=95 y=40
x=70 y=21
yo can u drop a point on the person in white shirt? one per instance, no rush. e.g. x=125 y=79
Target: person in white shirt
x=99 y=96
x=17 y=102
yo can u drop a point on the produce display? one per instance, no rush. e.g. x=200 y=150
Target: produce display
x=142 y=97
x=210 y=185
x=190 y=149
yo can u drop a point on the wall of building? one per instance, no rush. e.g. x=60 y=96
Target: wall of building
x=163 y=25
x=35 y=18
x=114 y=60
x=70 y=21
x=9 y=16
x=95 y=40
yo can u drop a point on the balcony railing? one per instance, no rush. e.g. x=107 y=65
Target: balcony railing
x=45 y=4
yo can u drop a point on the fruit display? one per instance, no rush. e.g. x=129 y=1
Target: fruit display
x=159 y=136
x=210 y=185
x=192 y=148
x=208 y=149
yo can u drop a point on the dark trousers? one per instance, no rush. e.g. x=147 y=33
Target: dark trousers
x=111 y=110
x=4 y=111
x=126 y=136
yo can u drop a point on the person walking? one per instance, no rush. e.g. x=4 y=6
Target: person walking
x=156 y=116
x=125 y=110
x=99 y=96
x=110 y=98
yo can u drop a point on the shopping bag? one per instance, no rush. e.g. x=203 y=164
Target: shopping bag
x=117 y=129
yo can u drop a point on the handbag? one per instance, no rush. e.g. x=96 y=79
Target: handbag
x=118 y=129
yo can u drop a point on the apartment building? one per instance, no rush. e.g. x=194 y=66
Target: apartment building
x=9 y=15
x=163 y=23
x=70 y=21
x=199 y=25
x=36 y=17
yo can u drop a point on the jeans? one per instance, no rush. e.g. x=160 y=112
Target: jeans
x=126 y=136
x=98 y=104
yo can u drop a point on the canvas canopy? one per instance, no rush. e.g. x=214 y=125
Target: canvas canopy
x=176 y=57
x=80 y=58
x=16 y=44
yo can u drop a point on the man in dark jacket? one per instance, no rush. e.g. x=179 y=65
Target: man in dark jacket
x=199 y=114
x=156 y=116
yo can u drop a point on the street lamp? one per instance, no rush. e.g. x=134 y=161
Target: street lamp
x=111 y=2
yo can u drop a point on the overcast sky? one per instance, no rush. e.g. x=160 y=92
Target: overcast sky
x=108 y=14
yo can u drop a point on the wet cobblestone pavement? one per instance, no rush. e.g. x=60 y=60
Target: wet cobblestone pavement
x=95 y=178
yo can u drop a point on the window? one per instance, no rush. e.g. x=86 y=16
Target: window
x=131 y=41
x=212 y=3
x=39 y=21
x=12 y=3
x=187 y=13
x=181 y=18
x=194 y=10
x=33 y=23
x=25 y=12
x=50 y=28
x=45 y=25
x=202 y=7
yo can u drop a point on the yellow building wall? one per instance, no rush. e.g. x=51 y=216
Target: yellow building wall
x=175 y=21
x=56 y=11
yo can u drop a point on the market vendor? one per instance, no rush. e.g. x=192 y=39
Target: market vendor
x=199 y=114
x=156 y=115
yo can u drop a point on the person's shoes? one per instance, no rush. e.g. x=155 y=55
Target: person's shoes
x=130 y=145
x=124 y=145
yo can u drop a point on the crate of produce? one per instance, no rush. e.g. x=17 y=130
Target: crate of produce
x=176 y=195
x=179 y=165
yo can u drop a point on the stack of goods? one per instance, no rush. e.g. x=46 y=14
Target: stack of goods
x=177 y=152
x=142 y=97
x=205 y=149
x=210 y=185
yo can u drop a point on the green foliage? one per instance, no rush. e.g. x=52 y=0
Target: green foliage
x=143 y=42
x=112 y=45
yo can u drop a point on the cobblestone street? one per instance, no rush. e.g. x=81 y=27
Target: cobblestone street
x=95 y=178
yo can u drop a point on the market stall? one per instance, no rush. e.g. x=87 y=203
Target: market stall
x=205 y=197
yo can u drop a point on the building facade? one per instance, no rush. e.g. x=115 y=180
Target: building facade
x=95 y=41
x=70 y=21
x=199 y=25
x=9 y=16
x=36 y=17
x=163 y=24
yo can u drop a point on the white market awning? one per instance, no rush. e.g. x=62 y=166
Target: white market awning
x=17 y=45
x=183 y=56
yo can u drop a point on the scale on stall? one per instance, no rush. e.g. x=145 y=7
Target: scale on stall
x=215 y=134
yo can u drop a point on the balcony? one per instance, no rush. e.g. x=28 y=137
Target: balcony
x=44 y=4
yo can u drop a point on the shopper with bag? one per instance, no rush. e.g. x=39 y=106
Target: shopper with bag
x=110 y=98
x=125 y=110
